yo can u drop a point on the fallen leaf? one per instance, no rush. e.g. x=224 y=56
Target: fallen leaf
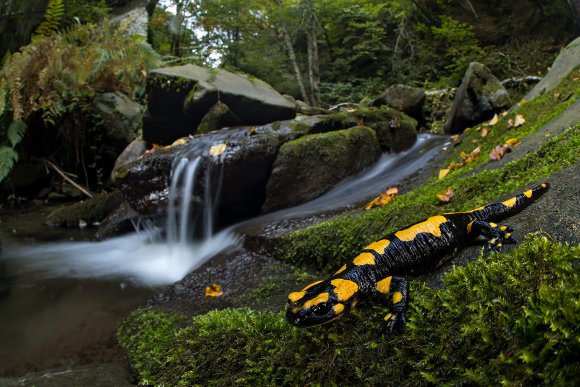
x=154 y=148
x=556 y=96
x=443 y=173
x=446 y=196
x=484 y=132
x=453 y=166
x=180 y=141
x=504 y=113
x=455 y=138
x=512 y=142
x=522 y=102
x=217 y=150
x=252 y=131
x=517 y=122
x=494 y=120
x=474 y=141
x=499 y=152
x=213 y=290
x=576 y=78
x=383 y=199
x=474 y=154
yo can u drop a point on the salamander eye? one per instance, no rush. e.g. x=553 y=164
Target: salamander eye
x=322 y=308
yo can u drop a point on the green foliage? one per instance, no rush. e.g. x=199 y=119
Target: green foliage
x=511 y=319
x=52 y=18
x=56 y=78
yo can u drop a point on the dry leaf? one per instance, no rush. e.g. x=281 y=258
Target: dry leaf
x=453 y=166
x=468 y=158
x=484 y=132
x=154 y=148
x=474 y=141
x=217 y=150
x=383 y=199
x=252 y=131
x=213 y=290
x=517 y=122
x=504 y=113
x=512 y=142
x=180 y=141
x=523 y=101
x=494 y=120
x=443 y=173
x=455 y=138
x=556 y=96
x=499 y=152
x=446 y=196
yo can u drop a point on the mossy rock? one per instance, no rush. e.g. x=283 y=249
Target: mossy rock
x=91 y=211
x=219 y=116
x=309 y=166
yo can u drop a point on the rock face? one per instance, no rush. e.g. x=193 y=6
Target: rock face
x=309 y=166
x=568 y=59
x=478 y=98
x=219 y=116
x=131 y=153
x=179 y=97
x=134 y=14
x=406 y=99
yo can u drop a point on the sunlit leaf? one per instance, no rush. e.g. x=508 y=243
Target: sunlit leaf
x=484 y=132
x=512 y=141
x=453 y=166
x=517 y=122
x=213 y=290
x=180 y=141
x=443 y=173
x=446 y=196
x=383 y=199
x=217 y=150
x=494 y=120
x=455 y=138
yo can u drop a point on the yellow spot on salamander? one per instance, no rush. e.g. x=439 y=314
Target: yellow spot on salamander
x=379 y=246
x=343 y=268
x=311 y=285
x=503 y=228
x=384 y=285
x=338 y=308
x=528 y=193
x=431 y=226
x=344 y=289
x=397 y=297
x=510 y=202
x=469 y=226
x=295 y=296
x=388 y=317
x=477 y=209
x=492 y=224
x=322 y=297
x=364 y=259
x=544 y=185
x=507 y=235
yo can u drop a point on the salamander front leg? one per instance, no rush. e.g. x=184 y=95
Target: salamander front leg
x=496 y=235
x=399 y=293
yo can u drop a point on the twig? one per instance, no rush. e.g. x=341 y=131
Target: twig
x=64 y=176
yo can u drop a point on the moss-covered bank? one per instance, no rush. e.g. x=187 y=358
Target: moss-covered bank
x=511 y=318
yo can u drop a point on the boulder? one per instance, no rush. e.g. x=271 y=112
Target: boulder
x=133 y=14
x=406 y=99
x=436 y=108
x=478 y=98
x=89 y=212
x=219 y=116
x=131 y=153
x=567 y=61
x=179 y=97
x=309 y=166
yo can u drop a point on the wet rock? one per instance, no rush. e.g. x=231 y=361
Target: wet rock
x=89 y=212
x=309 y=166
x=219 y=116
x=131 y=153
x=120 y=221
x=478 y=98
x=179 y=97
x=567 y=61
x=406 y=99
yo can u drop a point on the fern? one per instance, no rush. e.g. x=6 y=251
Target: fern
x=15 y=132
x=52 y=18
x=8 y=157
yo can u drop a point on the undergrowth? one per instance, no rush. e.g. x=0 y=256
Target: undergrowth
x=511 y=318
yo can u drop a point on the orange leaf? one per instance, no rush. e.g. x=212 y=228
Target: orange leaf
x=154 y=148
x=217 y=150
x=466 y=159
x=446 y=196
x=443 y=173
x=383 y=199
x=213 y=290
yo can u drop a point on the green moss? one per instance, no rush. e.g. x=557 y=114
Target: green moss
x=92 y=210
x=511 y=319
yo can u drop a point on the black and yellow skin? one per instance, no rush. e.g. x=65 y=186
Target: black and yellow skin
x=380 y=270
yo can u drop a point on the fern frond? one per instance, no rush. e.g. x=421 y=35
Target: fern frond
x=8 y=157
x=16 y=132
x=52 y=18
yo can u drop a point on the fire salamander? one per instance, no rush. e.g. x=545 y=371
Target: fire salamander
x=379 y=271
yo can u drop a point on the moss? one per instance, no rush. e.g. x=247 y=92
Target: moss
x=511 y=319
x=91 y=211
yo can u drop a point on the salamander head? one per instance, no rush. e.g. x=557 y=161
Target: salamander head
x=316 y=304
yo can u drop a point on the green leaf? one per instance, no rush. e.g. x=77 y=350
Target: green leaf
x=16 y=132
x=8 y=157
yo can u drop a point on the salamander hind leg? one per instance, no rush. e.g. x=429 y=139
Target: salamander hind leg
x=399 y=294
x=496 y=235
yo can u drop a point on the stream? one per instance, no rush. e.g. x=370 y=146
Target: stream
x=61 y=300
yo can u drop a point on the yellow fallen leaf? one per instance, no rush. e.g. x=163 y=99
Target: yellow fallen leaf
x=474 y=154
x=252 y=131
x=517 y=122
x=504 y=113
x=494 y=120
x=383 y=199
x=213 y=290
x=523 y=101
x=443 y=173
x=217 y=150
x=180 y=141
x=453 y=166
x=446 y=196
x=484 y=132
x=512 y=141
x=455 y=138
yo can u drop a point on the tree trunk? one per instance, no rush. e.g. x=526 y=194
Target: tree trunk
x=293 y=61
x=313 y=64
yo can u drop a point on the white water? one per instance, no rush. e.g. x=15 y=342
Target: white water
x=142 y=257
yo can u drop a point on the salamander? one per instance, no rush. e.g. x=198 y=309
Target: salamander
x=380 y=270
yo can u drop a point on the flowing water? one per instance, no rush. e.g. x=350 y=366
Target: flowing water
x=61 y=301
